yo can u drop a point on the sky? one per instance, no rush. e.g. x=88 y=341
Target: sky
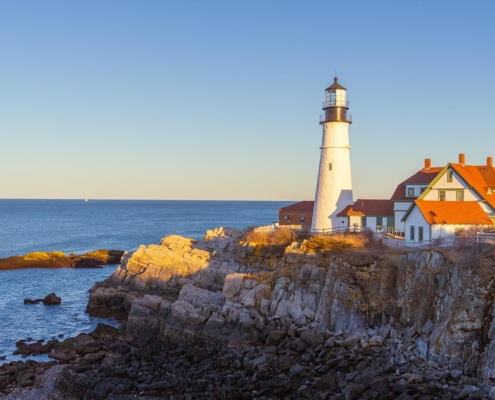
x=220 y=100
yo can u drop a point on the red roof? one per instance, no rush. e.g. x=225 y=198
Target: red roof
x=480 y=178
x=346 y=211
x=301 y=206
x=362 y=207
x=424 y=176
x=453 y=213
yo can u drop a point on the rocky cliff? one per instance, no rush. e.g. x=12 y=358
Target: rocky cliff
x=427 y=313
x=232 y=319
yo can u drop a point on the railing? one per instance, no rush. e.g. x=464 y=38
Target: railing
x=394 y=232
x=335 y=103
x=271 y=228
x=341 y=229
x=454 y=241
x=348 y=118
x=325 y=231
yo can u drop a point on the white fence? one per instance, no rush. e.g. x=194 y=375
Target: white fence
x=479 y=240
x=306 y=228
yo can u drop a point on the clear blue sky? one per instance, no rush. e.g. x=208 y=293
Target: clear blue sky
x=221 y=99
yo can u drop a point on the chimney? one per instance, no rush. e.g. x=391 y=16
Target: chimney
x=427 y=163
x=489 y=162
x=462 y=159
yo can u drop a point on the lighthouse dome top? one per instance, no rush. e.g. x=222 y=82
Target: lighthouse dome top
x=336 y=85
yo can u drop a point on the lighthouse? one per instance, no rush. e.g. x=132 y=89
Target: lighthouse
x=334 y=186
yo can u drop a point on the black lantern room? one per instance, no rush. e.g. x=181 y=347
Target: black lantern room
x=335 y=104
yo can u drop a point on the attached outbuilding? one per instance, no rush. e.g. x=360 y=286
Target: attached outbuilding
x=376 y=214
x=297 y=215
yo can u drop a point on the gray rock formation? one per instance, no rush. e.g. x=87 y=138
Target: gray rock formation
x=432 y=312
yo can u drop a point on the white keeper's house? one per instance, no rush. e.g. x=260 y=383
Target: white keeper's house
x=459 y=197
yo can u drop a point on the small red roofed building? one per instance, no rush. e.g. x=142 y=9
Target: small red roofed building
x=370 y=213
x=459 y=197
x=298 y=214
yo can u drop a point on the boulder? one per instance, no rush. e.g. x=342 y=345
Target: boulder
x=51 y=300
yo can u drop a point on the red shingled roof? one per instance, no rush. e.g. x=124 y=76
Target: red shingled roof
x=347 y=211
x=453 y=212
x=481 y=178
x=370 y=207
x=423 y=176
x=301 y=206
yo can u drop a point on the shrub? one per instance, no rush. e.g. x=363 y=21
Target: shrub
x=278 y=237
x=340 y=241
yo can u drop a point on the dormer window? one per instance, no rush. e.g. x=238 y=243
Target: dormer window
x=450 y=176
x=410 y=192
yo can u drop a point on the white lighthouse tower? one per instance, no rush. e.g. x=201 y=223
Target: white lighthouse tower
x=334 y=187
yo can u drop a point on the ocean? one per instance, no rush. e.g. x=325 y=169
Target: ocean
x=78 y=226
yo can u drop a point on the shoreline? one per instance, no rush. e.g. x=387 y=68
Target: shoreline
x=58 y=259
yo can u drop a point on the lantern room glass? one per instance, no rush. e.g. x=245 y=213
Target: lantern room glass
x=336 y=98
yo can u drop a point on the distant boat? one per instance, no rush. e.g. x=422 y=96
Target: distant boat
x=86 y=200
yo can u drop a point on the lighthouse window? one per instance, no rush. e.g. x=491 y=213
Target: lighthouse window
x=330 y=166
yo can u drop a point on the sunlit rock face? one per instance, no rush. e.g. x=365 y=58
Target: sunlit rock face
x=57 y=259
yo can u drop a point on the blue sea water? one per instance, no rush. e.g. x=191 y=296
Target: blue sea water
x=77 y=226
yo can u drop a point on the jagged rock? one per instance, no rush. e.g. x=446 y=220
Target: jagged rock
x=382 y=327
x=51 y=299
x=29 y=301
x=376 y=341
x=456 y=374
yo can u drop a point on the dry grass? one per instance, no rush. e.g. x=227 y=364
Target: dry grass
x=276 y=238
x=341 y=241
x=261 y=277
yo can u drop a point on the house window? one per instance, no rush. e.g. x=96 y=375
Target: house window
x=330 y=166
x=412 y=233
x=363 y=221
x=410 y=192
x=302 y=217
x=420 y=233
x=441 y=195
x=379 y=222
x=459 y=195
x=450 y=176
x=287 y=216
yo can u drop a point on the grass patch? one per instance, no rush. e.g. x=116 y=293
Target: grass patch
x=276 y=238
x=341 y=241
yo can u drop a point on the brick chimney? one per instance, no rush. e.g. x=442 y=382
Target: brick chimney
x=462 y=159
x=427 y=163
x=489 y=162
